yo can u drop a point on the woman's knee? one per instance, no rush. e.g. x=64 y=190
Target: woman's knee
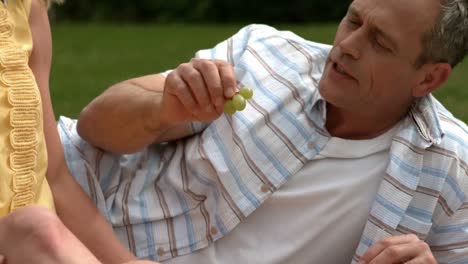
x=37 y=225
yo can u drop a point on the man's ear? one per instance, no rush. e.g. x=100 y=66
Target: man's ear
x=433 y=75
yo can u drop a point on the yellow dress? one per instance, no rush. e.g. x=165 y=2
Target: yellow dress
x=23 y=154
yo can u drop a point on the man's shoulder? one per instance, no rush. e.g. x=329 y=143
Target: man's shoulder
x=454 y=130
x=444 y=128
x=445 y=159
x=266 y=33
x=453 y=148
x=455 y=135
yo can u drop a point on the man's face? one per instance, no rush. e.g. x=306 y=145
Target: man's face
x=371 y=68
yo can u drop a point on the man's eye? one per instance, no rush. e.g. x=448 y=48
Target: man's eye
x=380 y=45
x=354 y=22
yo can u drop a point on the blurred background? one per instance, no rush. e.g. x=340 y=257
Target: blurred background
x=98 y=43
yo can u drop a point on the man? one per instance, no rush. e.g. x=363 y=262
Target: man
x=337 y=141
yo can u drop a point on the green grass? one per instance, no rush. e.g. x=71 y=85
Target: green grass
x=89 y=58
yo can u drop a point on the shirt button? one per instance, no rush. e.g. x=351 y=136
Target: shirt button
x=311 y=145
x=265 y=188
x=213 y=230
x=161 y=251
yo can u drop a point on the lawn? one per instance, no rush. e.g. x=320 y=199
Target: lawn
x=89 y=58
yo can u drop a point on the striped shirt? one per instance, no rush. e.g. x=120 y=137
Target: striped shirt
x=175 y=198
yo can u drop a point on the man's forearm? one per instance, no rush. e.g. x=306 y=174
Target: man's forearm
x=122 y=119
x=135 y=113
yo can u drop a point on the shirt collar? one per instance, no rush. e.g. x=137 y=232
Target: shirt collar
x=316 y=109
x=423 y=113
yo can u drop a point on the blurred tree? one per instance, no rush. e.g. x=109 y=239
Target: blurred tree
x=211 y=11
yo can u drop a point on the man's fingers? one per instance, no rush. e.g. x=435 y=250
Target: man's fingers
x=210 y=73
x=2 y=260
x=228 y=78
x=424 y=259
x=381 y=245
x=397 y=254
x=198 y=90
x=180 y=90
x=197 y=85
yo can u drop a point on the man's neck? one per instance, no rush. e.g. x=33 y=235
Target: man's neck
x=350 y=125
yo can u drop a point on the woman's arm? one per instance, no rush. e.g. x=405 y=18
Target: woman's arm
x=73 y=206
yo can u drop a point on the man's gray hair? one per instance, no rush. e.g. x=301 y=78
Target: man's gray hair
x=448 y=39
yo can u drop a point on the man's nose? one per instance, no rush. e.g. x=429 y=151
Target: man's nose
x=353 y=44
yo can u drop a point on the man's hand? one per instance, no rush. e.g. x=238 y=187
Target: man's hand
x=196 y=91
x=407 y=249
x=154 y=109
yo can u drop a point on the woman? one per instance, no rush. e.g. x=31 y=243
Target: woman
x=32 y=165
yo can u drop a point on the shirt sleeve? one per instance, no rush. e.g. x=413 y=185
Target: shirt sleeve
x=234 y=47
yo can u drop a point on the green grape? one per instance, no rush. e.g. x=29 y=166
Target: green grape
x=239 y=102
x=247 y=93
x=229 y=107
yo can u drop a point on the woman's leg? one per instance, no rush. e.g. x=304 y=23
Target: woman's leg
x=36 y=235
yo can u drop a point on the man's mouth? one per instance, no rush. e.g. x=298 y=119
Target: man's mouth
x=340 y=70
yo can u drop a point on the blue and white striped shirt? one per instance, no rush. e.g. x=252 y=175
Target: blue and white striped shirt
x=175 y=198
